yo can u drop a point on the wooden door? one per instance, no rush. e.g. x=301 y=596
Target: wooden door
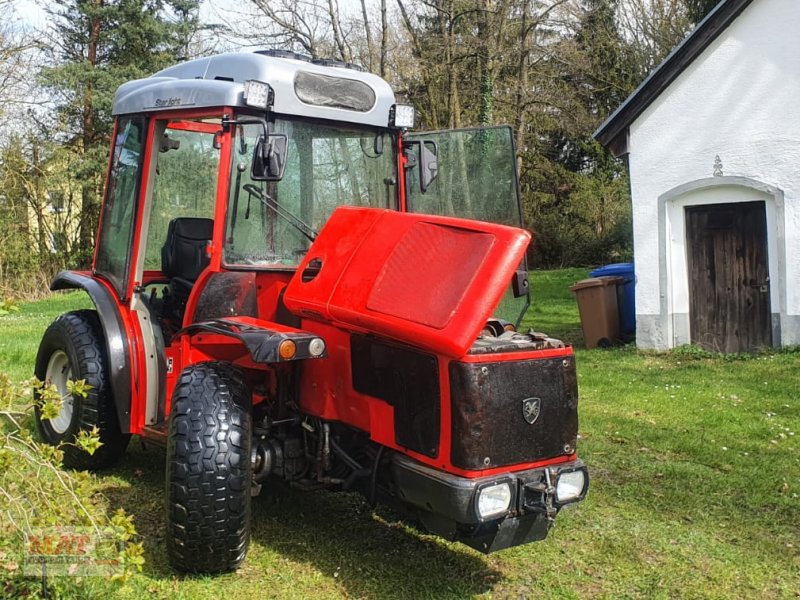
x=729 y=307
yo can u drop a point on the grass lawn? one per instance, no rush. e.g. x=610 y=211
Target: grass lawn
x=695 y=491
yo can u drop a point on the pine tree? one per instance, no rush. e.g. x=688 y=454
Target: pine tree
x=98 y=45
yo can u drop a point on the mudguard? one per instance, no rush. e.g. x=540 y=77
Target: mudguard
x=116 y=339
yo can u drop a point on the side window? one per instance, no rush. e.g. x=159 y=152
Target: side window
x=477 y=179
x=477 y=176
x=185 y=184
x=116 y=230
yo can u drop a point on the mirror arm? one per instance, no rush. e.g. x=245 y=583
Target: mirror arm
x=228 y=122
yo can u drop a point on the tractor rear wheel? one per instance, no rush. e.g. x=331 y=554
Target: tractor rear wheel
x=209 y=469
x=74 y=348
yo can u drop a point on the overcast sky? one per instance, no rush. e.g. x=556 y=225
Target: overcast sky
x=30 y=12
x=33 y=13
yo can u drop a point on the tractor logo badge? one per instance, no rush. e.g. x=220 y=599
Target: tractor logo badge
x=531 y=408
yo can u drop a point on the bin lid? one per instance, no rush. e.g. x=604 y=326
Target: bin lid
x=624 y=269
x=595 y=282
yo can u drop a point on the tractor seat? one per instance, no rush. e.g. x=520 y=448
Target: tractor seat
x=183 y=258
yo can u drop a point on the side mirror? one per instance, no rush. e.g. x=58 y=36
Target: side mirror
x=269 y=157
x=426 y=158
x=428 y=164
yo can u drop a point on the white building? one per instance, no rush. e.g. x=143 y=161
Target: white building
x=712 y=139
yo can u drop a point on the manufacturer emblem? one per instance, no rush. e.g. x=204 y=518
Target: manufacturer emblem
x=531 y=408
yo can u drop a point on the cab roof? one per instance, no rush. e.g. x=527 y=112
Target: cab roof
x=319 y=89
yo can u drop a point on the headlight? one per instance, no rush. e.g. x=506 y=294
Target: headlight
x=316 y=347
x=494 y=500
x=571 y=486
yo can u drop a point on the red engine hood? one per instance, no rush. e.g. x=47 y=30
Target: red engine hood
x=428 y=281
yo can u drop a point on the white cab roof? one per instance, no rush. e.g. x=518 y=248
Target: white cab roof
x=219 y=81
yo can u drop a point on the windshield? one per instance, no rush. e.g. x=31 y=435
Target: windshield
x=272 y=224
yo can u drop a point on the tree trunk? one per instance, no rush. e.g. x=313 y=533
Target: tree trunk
x=38 y=204
x=338 y=36
x=384 y=39
x=368 y=31
x=453 y=100
x=89 y=204
x=520 y=119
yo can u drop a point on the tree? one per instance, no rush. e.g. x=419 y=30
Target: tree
x=653 y=28
x=698 y=9
x=16 y=55
x=96 y=46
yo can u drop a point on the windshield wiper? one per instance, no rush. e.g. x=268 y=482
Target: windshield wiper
x=290 y=217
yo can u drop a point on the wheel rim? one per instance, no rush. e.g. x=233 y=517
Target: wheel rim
x=59 y=372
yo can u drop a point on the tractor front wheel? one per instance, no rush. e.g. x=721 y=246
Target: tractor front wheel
x=209 y=469
x=73 y=348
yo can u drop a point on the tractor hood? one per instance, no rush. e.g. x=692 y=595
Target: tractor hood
x=430 y=282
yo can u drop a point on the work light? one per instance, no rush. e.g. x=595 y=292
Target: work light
x=402 y=116
x=256 y=93
x=494 y=500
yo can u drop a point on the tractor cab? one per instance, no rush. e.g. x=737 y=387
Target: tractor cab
x=291 y=286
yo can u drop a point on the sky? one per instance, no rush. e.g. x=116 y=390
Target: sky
x=32 y=13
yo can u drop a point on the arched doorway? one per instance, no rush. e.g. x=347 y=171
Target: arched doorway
x=722 y=264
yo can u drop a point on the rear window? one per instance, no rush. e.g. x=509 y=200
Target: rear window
x=333 y=92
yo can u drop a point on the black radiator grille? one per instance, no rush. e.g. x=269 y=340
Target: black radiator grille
x=408 y=380
x=489 y=428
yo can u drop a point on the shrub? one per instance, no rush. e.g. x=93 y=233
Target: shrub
x=38 y=497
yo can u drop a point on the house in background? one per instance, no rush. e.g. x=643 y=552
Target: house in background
x=712 y=141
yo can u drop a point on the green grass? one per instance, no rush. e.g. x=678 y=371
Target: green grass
x=20 y=332
x=695 y=491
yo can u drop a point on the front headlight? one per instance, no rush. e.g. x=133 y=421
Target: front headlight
x=316 y=347
x=494 y=500
x=571 y=486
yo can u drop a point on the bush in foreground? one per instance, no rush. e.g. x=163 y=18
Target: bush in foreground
x=47 y=511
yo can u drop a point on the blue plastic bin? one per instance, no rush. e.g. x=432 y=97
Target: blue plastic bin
x=626 y=294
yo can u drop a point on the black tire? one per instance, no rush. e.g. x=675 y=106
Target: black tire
x=209 y=470
x=77 y=337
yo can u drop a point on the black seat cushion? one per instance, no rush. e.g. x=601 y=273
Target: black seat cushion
x=184 y=255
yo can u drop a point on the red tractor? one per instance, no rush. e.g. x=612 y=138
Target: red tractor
x=291 y=287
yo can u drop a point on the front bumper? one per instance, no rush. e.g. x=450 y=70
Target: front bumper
x=447 y=504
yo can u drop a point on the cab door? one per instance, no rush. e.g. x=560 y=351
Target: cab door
x=113 y=252
x=112 y=258
x=472 y=174
x=182 y=182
